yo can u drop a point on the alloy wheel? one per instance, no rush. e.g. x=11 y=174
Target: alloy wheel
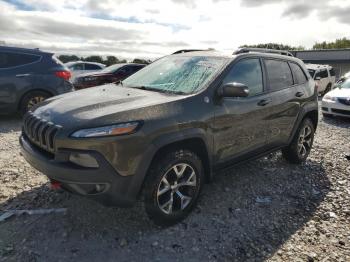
x=305 y=141
x=34 y=100
x=177 y=188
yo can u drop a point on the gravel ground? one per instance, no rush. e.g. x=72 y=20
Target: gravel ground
x=266 y=209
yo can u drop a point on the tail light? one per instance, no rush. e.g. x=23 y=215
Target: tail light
x=63 y=74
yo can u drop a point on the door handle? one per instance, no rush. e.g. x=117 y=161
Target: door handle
x=299 y=94
x=22 y=75
x=263 y=102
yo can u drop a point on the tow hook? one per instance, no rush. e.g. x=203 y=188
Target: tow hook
x=55 y=185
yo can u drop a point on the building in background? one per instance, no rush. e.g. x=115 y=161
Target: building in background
x=339 y=59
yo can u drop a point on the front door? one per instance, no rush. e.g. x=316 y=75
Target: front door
x=241 y=124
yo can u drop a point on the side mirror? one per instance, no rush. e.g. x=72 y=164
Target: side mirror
x=233 y=90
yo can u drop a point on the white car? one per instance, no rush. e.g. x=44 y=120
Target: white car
x=337 y=101
x=80 y=67
x=324 y=76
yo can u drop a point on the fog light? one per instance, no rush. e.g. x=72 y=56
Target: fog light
x=84 y=160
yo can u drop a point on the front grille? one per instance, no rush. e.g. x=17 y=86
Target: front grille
x=40 y=132
x=339 y=111
x=344 y=101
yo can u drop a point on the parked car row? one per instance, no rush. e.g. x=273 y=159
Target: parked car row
x=29 y=76
x=166 y=128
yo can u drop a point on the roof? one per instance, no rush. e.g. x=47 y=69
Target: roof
x=24 y=50
x=214 y=53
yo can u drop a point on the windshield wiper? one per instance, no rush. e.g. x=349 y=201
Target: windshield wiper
x=158 y=90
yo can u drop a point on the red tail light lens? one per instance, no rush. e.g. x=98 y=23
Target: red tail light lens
x=63 y=74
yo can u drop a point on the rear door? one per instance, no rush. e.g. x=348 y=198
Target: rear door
x=16 y=75
x=284 y=107
x=241 y=124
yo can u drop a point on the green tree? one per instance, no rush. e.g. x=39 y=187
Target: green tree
x=275 y=46
x=141 y=61
x=68 y=58
x=94 y=58
x=111 y=60
x=338 y=43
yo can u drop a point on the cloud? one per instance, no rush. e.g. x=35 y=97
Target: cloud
x=325 y=9
x=256 y=3
x=149 y=29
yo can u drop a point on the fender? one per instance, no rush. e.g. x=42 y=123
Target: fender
x=306 y=108
x=165 y=140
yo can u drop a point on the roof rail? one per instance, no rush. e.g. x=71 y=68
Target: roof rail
x=191 y=50
x=262 y=50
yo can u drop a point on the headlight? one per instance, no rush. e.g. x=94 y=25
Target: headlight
x=330 y=98
x=112 y=130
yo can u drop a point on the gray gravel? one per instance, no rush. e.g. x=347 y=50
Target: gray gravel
x=264 y=210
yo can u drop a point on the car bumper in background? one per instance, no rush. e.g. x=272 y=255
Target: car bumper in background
x=335 y=108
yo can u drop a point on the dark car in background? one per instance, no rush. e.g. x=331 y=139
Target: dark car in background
x=111 y=74
x=29 y=76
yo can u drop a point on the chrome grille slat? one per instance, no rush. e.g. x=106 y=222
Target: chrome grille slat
x=40 y=132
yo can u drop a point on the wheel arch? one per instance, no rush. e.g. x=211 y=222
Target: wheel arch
x=194 y=144
x=309 y=111
x=20 y=100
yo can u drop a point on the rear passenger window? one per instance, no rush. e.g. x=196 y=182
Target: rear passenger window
x=298 y=73
x=323 y=73
x=8 y=60
x=76 y=67
x=332 y=72
x=92 y=67
x=247 y=72
x=279 y=74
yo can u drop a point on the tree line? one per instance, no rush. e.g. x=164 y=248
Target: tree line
x=108 y=60
x=337 y=44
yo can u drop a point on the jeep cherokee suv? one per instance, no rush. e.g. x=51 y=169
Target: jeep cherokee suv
x=163 y=131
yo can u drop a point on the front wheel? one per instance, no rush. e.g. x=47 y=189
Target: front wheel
x=300 y=147
x=31 y=99
x=172 y=186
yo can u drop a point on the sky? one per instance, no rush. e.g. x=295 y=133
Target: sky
x=150 y=29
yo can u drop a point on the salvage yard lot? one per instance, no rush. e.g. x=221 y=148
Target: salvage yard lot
x=266 y=209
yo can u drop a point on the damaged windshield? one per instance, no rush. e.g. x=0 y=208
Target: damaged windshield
x=177 y=74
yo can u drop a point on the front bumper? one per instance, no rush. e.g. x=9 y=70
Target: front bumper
x=335 y=108
x=102 y=184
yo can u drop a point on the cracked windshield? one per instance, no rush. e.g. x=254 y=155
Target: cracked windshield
x=177 y=74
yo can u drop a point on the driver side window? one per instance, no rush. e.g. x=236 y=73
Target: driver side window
x=247 y=72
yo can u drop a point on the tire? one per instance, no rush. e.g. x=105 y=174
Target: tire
x=166 y=202
x=301 y=145
x=31 y=99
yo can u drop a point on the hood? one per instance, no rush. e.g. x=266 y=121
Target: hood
x=105 y=105
x=340 y=92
